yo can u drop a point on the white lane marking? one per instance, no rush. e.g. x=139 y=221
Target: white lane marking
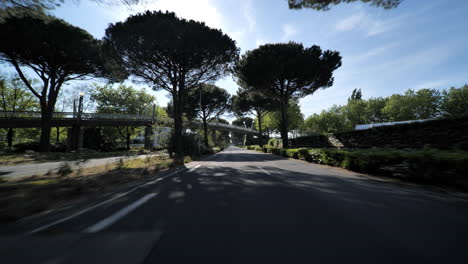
x=118 y=215
x=44 y=227
x=194 y=168
x=263 y=170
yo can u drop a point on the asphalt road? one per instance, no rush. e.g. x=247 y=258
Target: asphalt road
x=240 y=206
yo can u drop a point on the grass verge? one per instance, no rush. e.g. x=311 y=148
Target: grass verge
x=11 y=159
x=33 y=195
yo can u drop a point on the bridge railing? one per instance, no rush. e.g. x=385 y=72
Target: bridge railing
x=89 y=116
x=223 y=125
x=106 y=116
x=71 y=115
x=24 y=115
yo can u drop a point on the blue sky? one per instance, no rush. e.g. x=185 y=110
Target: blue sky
x=421 y=44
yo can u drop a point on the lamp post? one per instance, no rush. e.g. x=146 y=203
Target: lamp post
x=80 y=106
x=75 y=133
x=245 y=135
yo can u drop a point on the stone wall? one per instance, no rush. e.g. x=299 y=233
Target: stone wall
x=442 y=134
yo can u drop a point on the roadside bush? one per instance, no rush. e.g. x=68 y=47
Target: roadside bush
x=448 y=167
x=190 y=145
x=252 y=147
x=304 y=154
x=275 y=151
x=34 y=146
x=275 y=143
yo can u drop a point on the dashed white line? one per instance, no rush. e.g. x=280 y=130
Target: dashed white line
x=103 y=224
x=263 y=170
x=44 y=227
x=194 y=168
x=41 y=228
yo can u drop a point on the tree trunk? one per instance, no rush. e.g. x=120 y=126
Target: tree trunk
x=46 y=118
x=57 y=139
x=205 y=130
x=284 y=124
x=260 y=132
x=127 y=137
x=177 y=139
x=10 y=137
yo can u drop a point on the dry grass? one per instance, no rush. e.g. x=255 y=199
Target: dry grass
x=11 y=159
x=32 y=195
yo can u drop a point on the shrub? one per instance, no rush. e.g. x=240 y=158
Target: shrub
x=275 y=143
x=252 y=147
x=304 y=154
x=438 y=166
x=217 y=149
x=190 y=144
x=275 y=151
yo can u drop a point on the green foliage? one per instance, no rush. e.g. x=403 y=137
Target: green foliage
x=331 y=121
x=203 y=53
x=374 y=110
x=275 y=143
x=250 y=101
x=51 y=46
x=427 y=165
x=355 y=112
x=237 y=137
x=454 y=102
x=240 y=121
x=356 y=95
x=54 y=50
x=173 y=54
x=207 y=102
x=14 y=97
x=272 y=121
x=122 y=100
x=285 y=72
x=325 y=5
x=421 y=104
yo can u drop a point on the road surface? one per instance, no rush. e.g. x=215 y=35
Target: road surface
x=39 y=169
x=240 y=206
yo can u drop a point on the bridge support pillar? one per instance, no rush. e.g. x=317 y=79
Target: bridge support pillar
x=148 y=143
x=75 y=138
x=213 y=136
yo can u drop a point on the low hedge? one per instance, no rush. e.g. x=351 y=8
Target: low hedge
x=450 y=167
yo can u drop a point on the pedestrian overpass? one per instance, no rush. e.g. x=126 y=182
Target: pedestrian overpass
x=75 y=121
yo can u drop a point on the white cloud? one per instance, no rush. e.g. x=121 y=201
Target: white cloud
x=367 y=24
x=249 y=16
x=260 y=41
x=364 y=57
x=289 y=31
x=350 y=22
x=435 y=84
x=376 y=27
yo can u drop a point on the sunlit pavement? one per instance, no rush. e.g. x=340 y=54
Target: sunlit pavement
x=241 y=206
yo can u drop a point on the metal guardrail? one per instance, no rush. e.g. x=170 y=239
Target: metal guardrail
x=106 y=116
